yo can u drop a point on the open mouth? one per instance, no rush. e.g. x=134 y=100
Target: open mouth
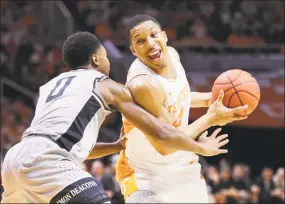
x=155 y=55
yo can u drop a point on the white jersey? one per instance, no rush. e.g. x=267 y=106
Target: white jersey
x=153 y=171
x=70 y=111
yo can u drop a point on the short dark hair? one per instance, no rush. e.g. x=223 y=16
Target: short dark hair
x=138 y=19
x=78 y=49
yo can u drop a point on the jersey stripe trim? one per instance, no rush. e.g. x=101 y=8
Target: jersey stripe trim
x=75 y=132
x=98 y=95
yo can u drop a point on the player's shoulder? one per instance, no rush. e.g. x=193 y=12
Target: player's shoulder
x=173 y=51
x=137 y=68
x=82 y=74
x=82 y=77
x=85 y=73
x=145 y=84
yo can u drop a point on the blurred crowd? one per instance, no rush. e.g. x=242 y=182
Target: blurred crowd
x=31 y=62
x=236 y=23
x=15 y=118
x=235 y=184
x=25 y=60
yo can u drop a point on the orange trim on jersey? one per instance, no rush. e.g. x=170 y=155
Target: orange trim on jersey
x=195 y=160
x=123 y=169
x=125 y=175
x=127 y=126
x=129 y=186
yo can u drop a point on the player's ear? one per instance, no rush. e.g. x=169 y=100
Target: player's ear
x=133 y=50
x=164 y=36
x=95 y=60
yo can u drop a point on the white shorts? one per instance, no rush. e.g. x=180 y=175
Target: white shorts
x=144 y=196
x=195 y=192
x=37 y=170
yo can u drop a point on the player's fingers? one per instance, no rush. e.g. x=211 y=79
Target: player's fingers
x=224 y=142
x=204 y=134
x=222 y=137
x=240 y=109
x=221 y=96
x=239 y=117
x=122 y=133
x=222 y=151
x=123 y=141
x=216 y=132
x=122 y=158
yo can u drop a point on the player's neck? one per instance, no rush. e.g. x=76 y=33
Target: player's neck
x=169 y=71
x=87 y=67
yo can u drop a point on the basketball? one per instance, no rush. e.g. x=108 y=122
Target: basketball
x=239 y=87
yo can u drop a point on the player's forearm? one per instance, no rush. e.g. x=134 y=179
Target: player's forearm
x=104 y=149
x=160 y=131
x=195 y=129
x=178 y=140
x=150 y=125
x=199 y=100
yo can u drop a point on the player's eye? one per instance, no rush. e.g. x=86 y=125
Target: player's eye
x=153 y=35
x=140 y=41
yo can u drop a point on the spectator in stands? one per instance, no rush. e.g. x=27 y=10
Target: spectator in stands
x=239 y=184
x=98 y=171
x=23 y=55
x=246 y=177
x=117 y=197
x=279 y=180
x=225 y=179
x=268 y=191
x=213 y=178
x=4 y=62
x=1 y=187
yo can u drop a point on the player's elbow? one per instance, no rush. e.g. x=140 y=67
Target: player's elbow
x=161 y=141
x=165 y=133
x=164 y=141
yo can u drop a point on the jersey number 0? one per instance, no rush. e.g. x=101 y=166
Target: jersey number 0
x=67 y=80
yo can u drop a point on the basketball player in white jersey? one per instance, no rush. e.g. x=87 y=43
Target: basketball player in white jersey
x=148 y=170
x=45 y=167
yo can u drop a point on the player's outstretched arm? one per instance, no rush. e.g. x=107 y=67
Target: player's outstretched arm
x=121 y=98
x=149 y=93
x=102 y=149
x=200 y=100
x=217 y=115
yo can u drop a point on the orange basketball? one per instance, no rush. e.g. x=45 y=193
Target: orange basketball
x=239 y=87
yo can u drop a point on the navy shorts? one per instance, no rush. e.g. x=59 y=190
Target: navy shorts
x=86 y=190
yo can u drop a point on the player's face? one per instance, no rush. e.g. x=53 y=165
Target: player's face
x=100 y=58
x=148 y=43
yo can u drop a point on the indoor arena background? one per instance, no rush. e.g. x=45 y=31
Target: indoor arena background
x=211 y=37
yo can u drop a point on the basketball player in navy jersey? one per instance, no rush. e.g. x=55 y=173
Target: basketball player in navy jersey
x=45 y=166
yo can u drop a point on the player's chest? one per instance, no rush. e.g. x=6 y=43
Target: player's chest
x=178 y=99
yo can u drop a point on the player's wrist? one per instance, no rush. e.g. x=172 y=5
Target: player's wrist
x=208 y=99
x=118 y=146
x=202 y=150
x=209 y=117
